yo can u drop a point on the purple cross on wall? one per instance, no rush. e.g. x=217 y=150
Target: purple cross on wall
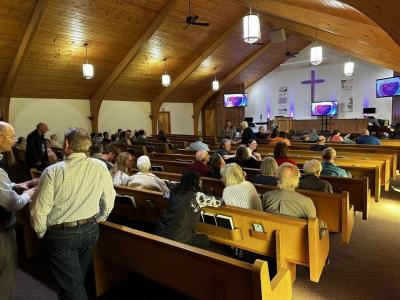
x=312 y=81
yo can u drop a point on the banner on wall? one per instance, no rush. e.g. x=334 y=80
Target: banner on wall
x=282 y=100
x=347 y=95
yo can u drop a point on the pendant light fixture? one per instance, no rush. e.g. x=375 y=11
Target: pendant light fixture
x=251 y=28
x=87 y=69
x=349 y=67
x=215 y=83
x=165 y=78
x=316 y=52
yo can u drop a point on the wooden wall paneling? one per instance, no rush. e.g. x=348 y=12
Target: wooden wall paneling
x=396 y=105
x=99 y=94
x=199 y=103
x=7 y=88
x=157 y=102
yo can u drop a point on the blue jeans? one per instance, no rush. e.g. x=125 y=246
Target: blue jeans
x=70 y=254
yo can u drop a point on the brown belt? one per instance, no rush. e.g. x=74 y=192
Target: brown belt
x=74 y=223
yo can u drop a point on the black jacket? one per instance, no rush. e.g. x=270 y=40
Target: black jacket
x=36 y=151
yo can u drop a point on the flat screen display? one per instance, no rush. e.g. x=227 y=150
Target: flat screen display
x=388 y=87
x=327 y=108
x=234 y=100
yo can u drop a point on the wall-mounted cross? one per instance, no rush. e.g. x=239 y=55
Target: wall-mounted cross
x=313 y=81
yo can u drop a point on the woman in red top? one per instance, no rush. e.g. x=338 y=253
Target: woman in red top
x=280 y=154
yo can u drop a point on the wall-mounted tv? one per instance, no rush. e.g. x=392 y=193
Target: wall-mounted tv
x=327 y=108
x=234 y=100
x=388 y=87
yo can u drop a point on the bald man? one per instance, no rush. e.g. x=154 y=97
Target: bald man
x=36 y=154
x=367 y=139
x=10 y=202
x=200 y=165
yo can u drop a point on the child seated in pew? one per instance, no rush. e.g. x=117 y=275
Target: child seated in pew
x=179 y=221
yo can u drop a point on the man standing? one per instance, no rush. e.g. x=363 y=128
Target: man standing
x=72 y=197
x=10 y=202
x=36 y=154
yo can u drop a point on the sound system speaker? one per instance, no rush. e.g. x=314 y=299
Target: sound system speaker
x=277 y=35
x=369 y=110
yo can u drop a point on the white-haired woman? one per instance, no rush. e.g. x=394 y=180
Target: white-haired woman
x=311 y=180
x=145 y=179
x=238 y=191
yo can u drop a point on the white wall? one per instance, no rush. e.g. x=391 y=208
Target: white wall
x=263 y=94
x=181 y=117
x=124 y=115
x=58 y=114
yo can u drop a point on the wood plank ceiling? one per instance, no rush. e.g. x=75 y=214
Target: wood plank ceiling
x=52 y=66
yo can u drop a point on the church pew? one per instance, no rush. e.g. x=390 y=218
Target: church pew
x=358 y=170
x=299 y=241
x=196 y=273
x=321 y=246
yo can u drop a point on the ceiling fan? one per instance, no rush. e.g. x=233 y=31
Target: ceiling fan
x=191 y=20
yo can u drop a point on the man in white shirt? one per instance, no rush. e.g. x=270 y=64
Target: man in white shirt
x=10 y=202
x=72 y=197
x=198 y=145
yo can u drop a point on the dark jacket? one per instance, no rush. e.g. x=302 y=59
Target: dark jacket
x=317 y=147
x=314 y=183
x=247 y=135
x=200 y=168
x=36 y=151
x=251 y=163
x=266 y=180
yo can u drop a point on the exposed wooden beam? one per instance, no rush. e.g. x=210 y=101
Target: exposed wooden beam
x=157 y=102
x=199 y=103
x=7 y=88
x=98 y=96
x=362 y=50
x=385 y=13
x=354 y=30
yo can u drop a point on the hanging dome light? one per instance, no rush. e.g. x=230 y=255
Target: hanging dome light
x=251 y=28
x=215 y=84
x=165 y=78
x=87 y=69
x=316 y=51
x=349 y=67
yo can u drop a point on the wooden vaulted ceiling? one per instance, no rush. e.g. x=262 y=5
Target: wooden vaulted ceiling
x=128 y=40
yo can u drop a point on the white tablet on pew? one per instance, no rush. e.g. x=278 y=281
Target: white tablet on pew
x=224 y=221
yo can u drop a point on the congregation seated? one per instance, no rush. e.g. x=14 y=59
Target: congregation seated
x=121 y=169
x=179 y=221
x=216 y=164
x=239 y=192
x=311 y=180
x=319 y=145
x=144 y=179
x=282 y=137
x=200 y=165
x=20 y=144
x=225 y=148
x=335 y=137
x=244 y=159
x=198 y=145
x=268 y=170
x=350 y=139
x=328 y=165
x=55 y=142
x=252 y=147
x=285 y=200
x=124 y=139
x=280 y=154
x=161 y=137
x=367 y=139
x=103 y=153
x=312 y=136
x=140 y=137
x=261 y=134
x=106 y=137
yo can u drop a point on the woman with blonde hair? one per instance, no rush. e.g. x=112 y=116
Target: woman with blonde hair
x=121 y=169
x=238 y=191
x=268 y=170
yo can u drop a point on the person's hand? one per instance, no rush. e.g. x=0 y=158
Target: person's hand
x=30 y=192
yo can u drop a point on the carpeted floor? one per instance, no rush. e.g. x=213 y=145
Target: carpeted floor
x=367 y=268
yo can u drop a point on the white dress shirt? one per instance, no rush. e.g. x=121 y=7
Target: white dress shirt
x=77 y=188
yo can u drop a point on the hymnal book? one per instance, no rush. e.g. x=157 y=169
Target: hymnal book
x=225 y=222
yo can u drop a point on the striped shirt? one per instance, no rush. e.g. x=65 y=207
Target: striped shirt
x=242 y=195
x=77 y=188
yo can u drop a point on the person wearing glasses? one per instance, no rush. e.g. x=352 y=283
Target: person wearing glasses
x=10 y=202
x=36 y=154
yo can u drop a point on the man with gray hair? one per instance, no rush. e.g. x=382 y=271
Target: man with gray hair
x=10 y=202
x=72 y=197
x=328 y=165
x=200 y=165
x=286 y=201
x=224 y=149
x=311 y=180
x=198 y=145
